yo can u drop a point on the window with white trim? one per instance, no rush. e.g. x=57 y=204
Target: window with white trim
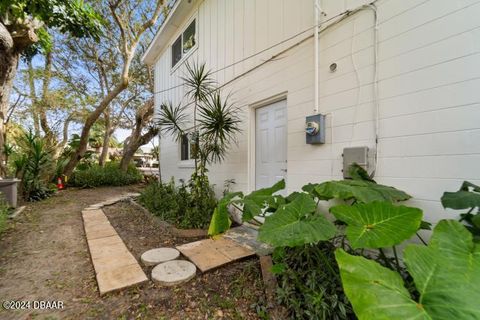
x=184 y=43
x=187 y=147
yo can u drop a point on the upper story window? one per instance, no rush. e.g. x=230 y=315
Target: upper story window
x=184 y=43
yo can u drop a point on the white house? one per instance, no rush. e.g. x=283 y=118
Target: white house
x=401 y=77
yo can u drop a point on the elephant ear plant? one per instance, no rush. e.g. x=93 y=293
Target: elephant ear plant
x=467 y=198
x=446 y=274
x=250 y=205
x=438 y=280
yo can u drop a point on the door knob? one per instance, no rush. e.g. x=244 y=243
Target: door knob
x=284 y=170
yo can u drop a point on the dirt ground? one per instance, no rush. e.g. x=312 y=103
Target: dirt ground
x=44 y=256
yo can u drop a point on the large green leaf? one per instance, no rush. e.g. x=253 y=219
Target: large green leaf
x=220 y=219
x=446 y=274
x=375 y=291
x=296 y=223
x=362 y=191
x=378 y=224
x=257 y=200
x=467 y=197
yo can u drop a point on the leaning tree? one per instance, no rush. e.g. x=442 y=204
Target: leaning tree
x=24 y=27
x=129 y=20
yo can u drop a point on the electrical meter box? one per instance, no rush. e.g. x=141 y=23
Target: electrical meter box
x=358 y=155
x=315 y=129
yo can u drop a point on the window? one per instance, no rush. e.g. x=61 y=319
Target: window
x=176 y=51
x=187 y=147
x=184 y=43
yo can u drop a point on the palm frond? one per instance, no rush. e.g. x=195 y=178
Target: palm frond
x=172 y=119
x=198 y=81
x=219 y=123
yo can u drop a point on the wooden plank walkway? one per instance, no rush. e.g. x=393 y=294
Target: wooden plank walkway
x=115 y=267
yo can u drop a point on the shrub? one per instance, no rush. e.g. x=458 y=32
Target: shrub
x=33 y=165
x=161 y=199
x=4 y=209
x=179 y=205
x=109 y=175
x=309 y=284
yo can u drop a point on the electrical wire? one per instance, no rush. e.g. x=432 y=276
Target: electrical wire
x=345 y=13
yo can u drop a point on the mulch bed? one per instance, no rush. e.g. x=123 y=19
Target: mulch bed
x=234 y=291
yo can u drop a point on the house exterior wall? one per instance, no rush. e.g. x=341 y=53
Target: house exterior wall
x=428 y=72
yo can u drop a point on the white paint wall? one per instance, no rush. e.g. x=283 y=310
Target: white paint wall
x=428 y=73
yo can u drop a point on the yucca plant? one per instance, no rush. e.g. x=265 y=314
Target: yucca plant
x=199 y=86
x=215 y=125
x=215 y=119
x=33 y=165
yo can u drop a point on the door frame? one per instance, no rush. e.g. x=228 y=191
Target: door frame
x=252 y=131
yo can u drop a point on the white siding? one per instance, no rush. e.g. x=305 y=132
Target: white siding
x=428 y=79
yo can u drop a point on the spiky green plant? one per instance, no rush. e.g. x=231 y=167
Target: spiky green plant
x=219 y=123
x=33 y=165
x=171 y=120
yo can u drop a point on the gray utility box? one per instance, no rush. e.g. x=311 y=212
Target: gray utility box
x=358 y=155
x=315 y=129
x=8 y=187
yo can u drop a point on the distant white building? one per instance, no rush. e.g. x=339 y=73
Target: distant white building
x=401 y=77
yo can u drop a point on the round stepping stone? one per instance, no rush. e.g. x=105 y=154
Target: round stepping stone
x=156 y=256
x=173 y=272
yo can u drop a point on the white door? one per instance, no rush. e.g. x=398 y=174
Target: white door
x=270 y=144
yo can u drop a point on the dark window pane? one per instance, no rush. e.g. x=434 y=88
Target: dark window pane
x=189 y=37
x=184 y=146
x=176 y=51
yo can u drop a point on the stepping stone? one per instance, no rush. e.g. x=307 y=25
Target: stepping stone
x=115 y=266
x=159 y=255
x=120 y=277
x=210 y=254
x=173 y=272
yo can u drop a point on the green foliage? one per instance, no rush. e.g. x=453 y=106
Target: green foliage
x=220 y=220
x=468 y=197
x=33 y=165
x=199 y=81
x=162 y=199
x=256 y=200
x=296 y=223
x=378 y=224
x=68 y=16
x=109 y=175
x=358 y=173
x=309 y=283
x=446 y=274
x=177 y=205
x=360 y=191
x=252 y=205
x=218 y=123
x=4 y=210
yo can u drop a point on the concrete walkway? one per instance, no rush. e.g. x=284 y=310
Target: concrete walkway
x=115 y=267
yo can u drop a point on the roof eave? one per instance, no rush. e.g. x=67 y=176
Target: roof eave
x=162 y=36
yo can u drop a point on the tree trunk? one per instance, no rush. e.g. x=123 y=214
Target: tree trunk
x=136 y=141
x=49 y=135
x=82 y=148
x=106 y=140
x=8 y=68
x=33 y=99
x=127 y=156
